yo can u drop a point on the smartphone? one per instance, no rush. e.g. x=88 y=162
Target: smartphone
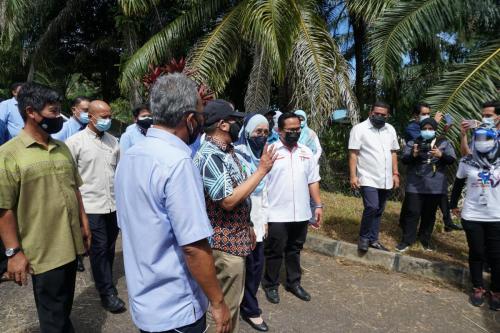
x=472 y=123
x=448 y=119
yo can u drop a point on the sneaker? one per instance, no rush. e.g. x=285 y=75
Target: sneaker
x=495 y=301
x=402 y=247
x=427 y=246
x=477 y=296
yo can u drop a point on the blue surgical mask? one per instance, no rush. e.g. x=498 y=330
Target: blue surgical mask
x=427 y=134
x=423 y=117
x=84 y=117
x=103 y=125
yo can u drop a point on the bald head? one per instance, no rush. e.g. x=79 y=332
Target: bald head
x=99 y=108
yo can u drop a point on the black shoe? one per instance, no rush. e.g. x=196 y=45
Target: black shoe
x=378 y=246
x=363 y=244
x=402 y=247
x=299 y=292
x=262 y=327
x=112 y=303
x=272 y=295
x=427 y=246
x=79 y=264
x=452 y=227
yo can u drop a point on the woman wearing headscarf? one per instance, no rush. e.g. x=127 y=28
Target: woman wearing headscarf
x=308 y=137
x=253 y=138
x=427 y=158
x=480 y=214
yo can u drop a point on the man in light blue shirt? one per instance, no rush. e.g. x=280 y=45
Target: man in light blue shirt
x=80 y=119
x=9 y=115
x=161 y=211
x=137 y=131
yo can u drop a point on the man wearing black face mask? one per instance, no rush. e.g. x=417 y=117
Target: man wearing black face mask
x=373 y=169
x=136 y=132
x=42 y=221
x=291 y=183
x=227 y=192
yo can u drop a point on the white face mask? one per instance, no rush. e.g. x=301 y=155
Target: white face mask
x=423 y=117
x=489 y=121
x=484 y=146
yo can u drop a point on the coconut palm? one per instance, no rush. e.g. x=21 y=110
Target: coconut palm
x=287 y=40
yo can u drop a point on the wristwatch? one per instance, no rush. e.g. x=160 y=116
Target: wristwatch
x=10 y=252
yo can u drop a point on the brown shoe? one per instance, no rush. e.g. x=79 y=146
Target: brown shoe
x=477 y=296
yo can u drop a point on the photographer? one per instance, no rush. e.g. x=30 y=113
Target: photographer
x=427 y=159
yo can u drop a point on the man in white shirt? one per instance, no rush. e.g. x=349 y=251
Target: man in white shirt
x=96 y=154
x=373 y=169
x=292 y=180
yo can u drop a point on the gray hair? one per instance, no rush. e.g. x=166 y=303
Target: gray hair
x=170 y=97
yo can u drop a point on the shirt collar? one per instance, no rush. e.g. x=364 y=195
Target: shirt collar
x=28 y=140
x=94 y=134
x=225 y=147
x=169 y=138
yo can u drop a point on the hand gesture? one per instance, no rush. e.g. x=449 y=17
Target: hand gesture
x=415 y=150
x=18 y=268
x=355 y=185
x=267 y=159
x=438 y=117
x=222 y=317
x=436 y=152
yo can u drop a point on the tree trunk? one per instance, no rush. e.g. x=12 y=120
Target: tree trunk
x=31 y=73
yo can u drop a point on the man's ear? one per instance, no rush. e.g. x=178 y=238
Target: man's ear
x=30 y=112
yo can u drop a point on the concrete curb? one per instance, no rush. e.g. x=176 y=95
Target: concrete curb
x=455 y=275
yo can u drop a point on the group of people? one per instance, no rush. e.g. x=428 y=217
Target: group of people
x=373 y=167
x=203 y=218
x=210 y=201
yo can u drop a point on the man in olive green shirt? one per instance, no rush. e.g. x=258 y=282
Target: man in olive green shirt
x=42 y=221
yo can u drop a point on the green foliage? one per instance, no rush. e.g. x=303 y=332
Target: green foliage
x=121 y=110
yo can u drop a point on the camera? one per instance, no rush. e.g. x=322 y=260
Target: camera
x=424 y=145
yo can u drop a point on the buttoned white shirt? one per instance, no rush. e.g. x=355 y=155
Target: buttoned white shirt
x=288 y=184
x=96 y=158
x=375 y=148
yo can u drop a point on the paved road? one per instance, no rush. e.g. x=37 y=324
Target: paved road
x=346 y=297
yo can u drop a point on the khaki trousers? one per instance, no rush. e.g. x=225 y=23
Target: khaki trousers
x=230 y=272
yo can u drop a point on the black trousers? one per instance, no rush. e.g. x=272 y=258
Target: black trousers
x=253 y=275
x=288 y=238
x=419 y=207
x=104 y=229
x=54 y=291
x=198 y=326
x=374 y=200
x=483 y=239
x=444 y=206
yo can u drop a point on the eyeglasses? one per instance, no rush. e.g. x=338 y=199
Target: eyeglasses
x=261 y=132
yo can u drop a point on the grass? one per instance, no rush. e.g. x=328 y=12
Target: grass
x=343 y=215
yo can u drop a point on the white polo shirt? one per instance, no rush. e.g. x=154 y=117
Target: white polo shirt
x=375 y=147
x=288 y=184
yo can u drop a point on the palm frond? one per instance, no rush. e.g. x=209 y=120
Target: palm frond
x=369 y=10
x=12 y=18
x=319 y=72
x=404 y=24
x=160 y=47
x=271 y=24
x=137 y=7
x=258 y=91
x=214 y=58
x=462 y=90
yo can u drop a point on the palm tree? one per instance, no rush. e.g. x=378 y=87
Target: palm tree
x=456 y=87
x=288 y=41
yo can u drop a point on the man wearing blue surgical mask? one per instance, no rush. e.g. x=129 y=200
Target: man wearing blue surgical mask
x=78 y=121
x=421 y=111
x=96 y=153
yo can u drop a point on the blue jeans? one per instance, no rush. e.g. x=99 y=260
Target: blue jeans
x=374 y=200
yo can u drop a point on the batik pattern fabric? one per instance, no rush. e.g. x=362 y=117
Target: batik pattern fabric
x=221 y=172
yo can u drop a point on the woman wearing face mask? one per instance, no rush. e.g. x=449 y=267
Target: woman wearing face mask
x=308 y=137
x=253 y=138
x=481 y=211
x=427 y=159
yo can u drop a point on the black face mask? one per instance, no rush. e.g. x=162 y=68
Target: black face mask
x=234 y=131
x=291 y=138
x=194 y=133
x=377 y=121
x=51 y=125
x=145 y=123
x=257 y=145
